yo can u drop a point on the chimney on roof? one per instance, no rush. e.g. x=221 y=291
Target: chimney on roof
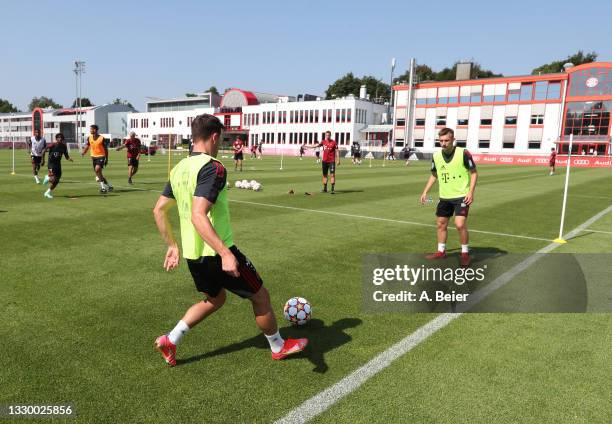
x=464 y=70
x=363 y=92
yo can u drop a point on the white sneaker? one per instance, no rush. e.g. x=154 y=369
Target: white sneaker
x=46 y=180
x=36 y=179
x=48 y=195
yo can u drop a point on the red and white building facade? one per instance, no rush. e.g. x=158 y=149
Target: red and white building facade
x=523 y=115
x=280 y=123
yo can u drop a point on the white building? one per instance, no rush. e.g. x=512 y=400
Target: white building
x=279 y=122
x=166 y=119
x=523 y=114
x=111 y=120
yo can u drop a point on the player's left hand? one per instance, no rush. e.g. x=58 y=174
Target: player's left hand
x=468 y=199
x=172 y=258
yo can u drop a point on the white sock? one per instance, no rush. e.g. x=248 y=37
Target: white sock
x=102 y=185
x=178 y=332
x=464 y=248
x=441 y=247
x=276 y=342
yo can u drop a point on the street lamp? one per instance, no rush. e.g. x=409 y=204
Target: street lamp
x=79 y=69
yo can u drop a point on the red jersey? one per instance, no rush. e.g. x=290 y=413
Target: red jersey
x=133 y=147
x=553 y=157
x=237 y=146
x=329 y=150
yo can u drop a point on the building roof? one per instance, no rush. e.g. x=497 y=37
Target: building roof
x=377 y=128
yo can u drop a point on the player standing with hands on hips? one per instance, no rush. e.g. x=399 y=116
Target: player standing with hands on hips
x=455 y=171
x=331 y=159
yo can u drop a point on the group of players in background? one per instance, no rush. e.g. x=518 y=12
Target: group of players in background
x=97 y=146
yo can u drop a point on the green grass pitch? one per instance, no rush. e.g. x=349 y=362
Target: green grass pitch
x=83 y=296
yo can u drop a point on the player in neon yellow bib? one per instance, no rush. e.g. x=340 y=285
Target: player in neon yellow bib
x=455 y=171
x=198 y=186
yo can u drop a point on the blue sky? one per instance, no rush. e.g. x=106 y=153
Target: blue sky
x=135 y=49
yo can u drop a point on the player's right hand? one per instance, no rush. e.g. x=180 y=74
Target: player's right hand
x=229 y=264
x=172 y=258
x=423 y=198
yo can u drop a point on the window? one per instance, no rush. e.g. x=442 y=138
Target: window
x=540 y=90
x=486 y=121
x=526 y=91
x=510 y=120
x=462 y=122
x=464 y=99
x=488 y=99
x=453 y=99
x=432 y=100
x=348 y=115
x=337 y=115
x=500 y=97
x=400 y=123
x=484 y=144
x=316 y=116
x=419 y=122
x=442 y=100
x=437 y=143
x=508 y=145
x=418 y=143
x=537 y=119
x=440 y=120
x=461 y=143
x=554 y=90
x=514 y=95
x=535 y=144
x=588 y=118
x=476 y=96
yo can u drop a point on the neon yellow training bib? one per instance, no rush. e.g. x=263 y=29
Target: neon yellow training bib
x=453 y=177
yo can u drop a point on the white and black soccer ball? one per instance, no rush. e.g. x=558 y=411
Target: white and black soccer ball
x=256 y=187
x=297 y=311
x=238 y=184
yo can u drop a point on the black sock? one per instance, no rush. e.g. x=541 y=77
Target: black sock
x=333 y=186
x=324 y=187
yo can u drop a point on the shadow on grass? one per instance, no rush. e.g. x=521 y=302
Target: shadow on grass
x=322 y=339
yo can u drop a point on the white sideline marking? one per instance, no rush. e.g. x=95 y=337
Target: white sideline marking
x=348 y=215
x=375 y=218
x=328 y=397
x=597 y=231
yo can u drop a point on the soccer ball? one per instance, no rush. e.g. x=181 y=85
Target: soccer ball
x=246 y=185
x=297 y=311
x=256 y=187
x=238 y=184
x=253 y=182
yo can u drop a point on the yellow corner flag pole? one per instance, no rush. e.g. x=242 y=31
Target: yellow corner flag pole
x=560 y=239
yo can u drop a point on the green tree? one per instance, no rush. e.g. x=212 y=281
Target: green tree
x=425 y=73
x=349 y=84
x=7 y=107
x=213 y=90
x=119 y=101
x=85 y=102
x=557 y=66
x=191 y=95
x=43 y=102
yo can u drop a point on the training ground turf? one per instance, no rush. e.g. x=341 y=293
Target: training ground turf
x=83 y=296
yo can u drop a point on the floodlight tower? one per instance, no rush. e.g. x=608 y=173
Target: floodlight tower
x=79 y=70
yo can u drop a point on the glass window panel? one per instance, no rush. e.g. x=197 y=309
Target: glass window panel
x=540 y=90
x=452 y=100
x=554 y=90
x=476 y=97
x=526 y=90
x=464 y=99
x=488 y=99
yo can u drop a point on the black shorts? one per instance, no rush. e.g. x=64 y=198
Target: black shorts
x=36 y=160
x=133 y=162
x=55 y=171
x=449 y=207
x=98 y=161
x=357 y=155
x=210 y=278
x=329 y=167
x=238 y=156
x=318 y=154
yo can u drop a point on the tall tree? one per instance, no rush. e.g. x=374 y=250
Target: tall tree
x=213 y=90
x=43 y=102
x=349 y=84
x=557 y=66
x=425 y=73
x=119 y=101
x=85 y=102
x=7 y=107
